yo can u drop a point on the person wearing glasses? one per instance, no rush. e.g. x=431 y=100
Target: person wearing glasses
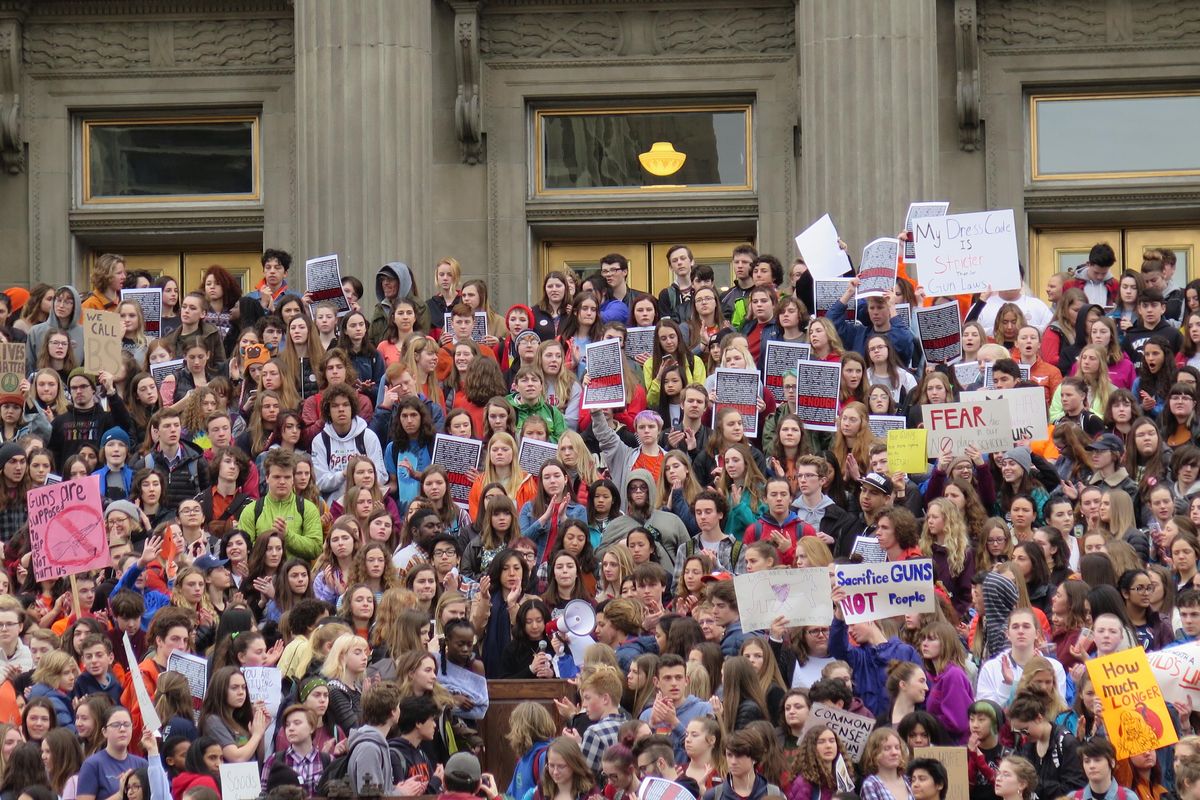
x=15 y=657
x=1050 y=748
x=1153 y=632
x=619 y=297
x=100 y=775
x=87 y=417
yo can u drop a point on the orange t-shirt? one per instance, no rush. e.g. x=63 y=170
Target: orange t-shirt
x=652 y=464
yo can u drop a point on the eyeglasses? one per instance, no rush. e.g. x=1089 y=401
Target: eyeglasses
x=9 y=625
x=1146 y=589
x=447 y=551
x=120 y=726
x=79 y=387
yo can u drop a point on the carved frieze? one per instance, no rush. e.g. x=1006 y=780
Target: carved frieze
x=726 y=30
x=1024 y=23
x=108 y=46
x=224 y=43
x=550 y=35
x=1166 y=20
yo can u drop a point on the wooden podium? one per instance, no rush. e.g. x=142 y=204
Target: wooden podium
x=499 y=759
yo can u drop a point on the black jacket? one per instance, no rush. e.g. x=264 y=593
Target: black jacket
x=1060 y=771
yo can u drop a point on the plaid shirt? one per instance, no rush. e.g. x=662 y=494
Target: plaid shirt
x=599 y=736
x=307 y=768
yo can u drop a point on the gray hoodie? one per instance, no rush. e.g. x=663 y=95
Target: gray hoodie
x=372 y=761
x=669 y=530
x=382 y=316
x=37 y=334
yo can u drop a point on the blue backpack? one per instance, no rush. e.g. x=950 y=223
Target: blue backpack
x=525 y=775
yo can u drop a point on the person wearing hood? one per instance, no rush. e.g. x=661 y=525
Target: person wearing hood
x=344 y=435
x=667 y=531
x=86 y=419
x=370 y=757
x=621 y=458
x=394 y=281
x=263 y=300
x=180 y=460
x=529 y=399
x=64 y=315
x=108 y=279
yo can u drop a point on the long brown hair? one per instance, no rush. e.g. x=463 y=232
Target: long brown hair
x=741 y=682
x=582 y=781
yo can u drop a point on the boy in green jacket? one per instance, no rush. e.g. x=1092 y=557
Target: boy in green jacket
x=529 y=398
x=297 y=520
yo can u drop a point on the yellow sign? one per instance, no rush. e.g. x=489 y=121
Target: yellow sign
x=906 y=451
x=1135 y=713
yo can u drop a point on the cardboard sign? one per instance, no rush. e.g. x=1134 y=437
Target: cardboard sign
x=879 y=591
x=852 y=729
x=986 y=424
x=740 y=389
x=323 y=278
x=605 y=387
x=801 y=595
x=880 y=424
x=66 y=529
x=533 y=453
x=1026 y=408
x=150 y=301
x=940 y=329
x=967 y=253
x=818 y=394
x=906 y=451
x=918 y=211
x=240 y=781
x=460 y=457
x=12 y=366
x=877 y=270
x=818 y=246
x=1177 y=670
x=1131 y=702
x=102 y=333
x=779 y=359
x=195 y=669
x=954 y=759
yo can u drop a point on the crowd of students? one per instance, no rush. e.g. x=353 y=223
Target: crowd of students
x=273 y=501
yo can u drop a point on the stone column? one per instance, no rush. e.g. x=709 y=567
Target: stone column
x=868 y=112
x=364 y=135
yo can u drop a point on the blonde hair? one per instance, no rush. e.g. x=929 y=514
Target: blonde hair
x=139 y=336
x=586 y=467
x=59 y=406
x=516 y=475
x=562 y=383
x=51 y=666
x=818 y=552
x=955 y=535
x=1101 y=386
x=334 y=666
x=835 y=341
x=103 y=270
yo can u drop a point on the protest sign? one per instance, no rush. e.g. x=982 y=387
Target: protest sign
x=195 y=669
x=740 y=389
x=240 y=781
x=818 y=389
x=852 y=729
x=919 y=211
x=986 y=424
x=66 y=529
x=877 y=270
x=954 y=759
x=102 y=333
x=662 y=789
x=12 y=366
x=460 y=457
x=533 y=454
x=162 y=369
x=906 y=451
x=150 y=301
x=479 y=331
x=818 y=246
x=940 y=329
x=605 y=387
x=150 y=720
x=639 y=341
x=1131 y=702
x=265 y=685
x=867 y=548
x=879 y=591
x=780 y=359
x=1177 y=670
x=323 y=279
x=1026 y=409
x=801 y=595
x=880 y=424
x=466 y=683
x=828 y=292
x=989 y=379
x=967 y=253
x=967 y=373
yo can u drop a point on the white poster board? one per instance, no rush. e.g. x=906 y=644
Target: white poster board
x=1026 y=408
x=740 y=389
x=818 y=246
x=801 y=595
x=240 y=781
x=150 y=720
x=967 y=253
x=986 y=424
x=605 y=387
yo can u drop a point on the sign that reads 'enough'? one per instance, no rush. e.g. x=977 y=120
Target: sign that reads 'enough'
x=878 y=591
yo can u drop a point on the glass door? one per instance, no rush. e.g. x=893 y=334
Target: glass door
x=1054 y=251
x=648 y=267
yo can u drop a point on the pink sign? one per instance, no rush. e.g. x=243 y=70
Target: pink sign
x=66 y=529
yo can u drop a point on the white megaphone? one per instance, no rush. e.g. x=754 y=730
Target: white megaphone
x=579 y=620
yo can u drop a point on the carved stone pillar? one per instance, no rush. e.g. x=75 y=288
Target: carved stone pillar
x=364 y=134
x=868 y=112
x=12 y=141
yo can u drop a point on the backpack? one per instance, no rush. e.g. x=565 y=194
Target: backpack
x=733 y=554
x=360 y=442
x=260 y=502
x=339 y=770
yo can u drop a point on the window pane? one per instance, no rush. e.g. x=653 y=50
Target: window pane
x=600 y=151
x=174 y=159
x=1131 y=136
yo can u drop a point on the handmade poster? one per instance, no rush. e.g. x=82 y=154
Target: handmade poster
x=740 y=389
x=818 y=246
x=877 y=270
x=828 y=292
x=879 y=591
x=919 y=211
x=12 y=366
x=954 y=759
x=466 y=683
x=818 y=389
x=986 y=424
x=1131 y=702
x=852 y=729
x=66 y=529
x=801 y=595
x=534 y=453
x=780 y=359
x=867 y=548
x=150 y=720
x=102 y=333
x=460 y=457
x=906 y=451
x=639 y=341
x=265 y=685
x=880 y=424
x=162 y=369
x=1177 y=670
x=1026 y=408
x=480 y=331
x=967 y=253
x=150 y=300
x=605 y=387
x=967 y=373
x=323 y=277
x=662 y=789
x=195 y=669
x=940 y=329
x=240 y=781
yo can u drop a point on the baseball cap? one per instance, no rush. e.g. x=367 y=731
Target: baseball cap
x=463 y=768
x=206 y=562
x=716 y=577
x=880 y=483
x=1107 y=442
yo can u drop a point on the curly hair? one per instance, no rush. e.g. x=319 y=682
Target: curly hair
x=809 y=764
x=954 y=535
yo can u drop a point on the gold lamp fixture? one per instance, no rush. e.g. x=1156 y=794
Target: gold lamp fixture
x=662 y=159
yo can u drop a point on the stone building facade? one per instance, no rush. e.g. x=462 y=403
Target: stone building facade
x=411 y=129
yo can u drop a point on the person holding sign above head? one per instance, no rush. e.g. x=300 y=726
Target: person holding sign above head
x=870 y=658
x=882 y=318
